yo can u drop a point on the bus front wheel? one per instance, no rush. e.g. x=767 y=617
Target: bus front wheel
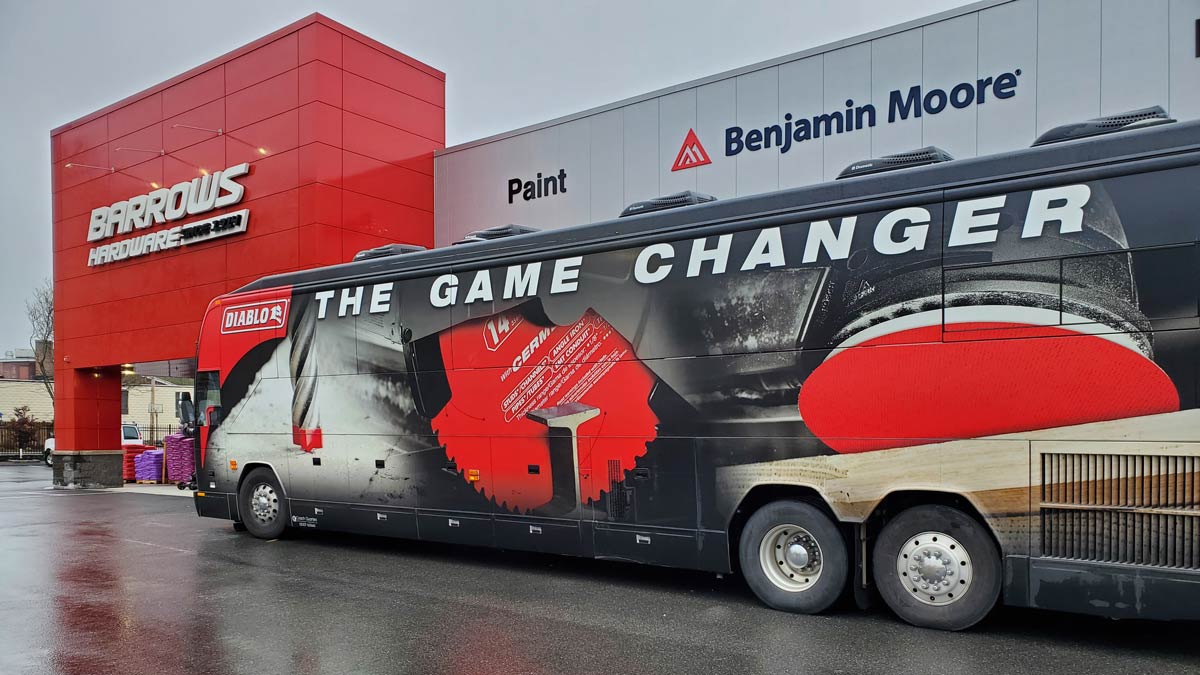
x=262 y=506
x=793 y=557
x=937 y=567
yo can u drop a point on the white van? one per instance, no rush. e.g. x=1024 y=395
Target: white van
x=130 y=435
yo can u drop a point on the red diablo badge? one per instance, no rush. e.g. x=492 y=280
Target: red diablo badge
x=265 y=315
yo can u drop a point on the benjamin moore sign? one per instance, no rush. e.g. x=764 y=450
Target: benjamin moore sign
x=199 y=195
x=901 y=106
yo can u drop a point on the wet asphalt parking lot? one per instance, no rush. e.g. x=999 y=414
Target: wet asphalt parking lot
x=116 y=582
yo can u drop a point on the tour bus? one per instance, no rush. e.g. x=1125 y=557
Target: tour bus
x=946 y=383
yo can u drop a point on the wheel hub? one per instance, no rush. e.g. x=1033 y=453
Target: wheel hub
x=264 y=504
x=796 y=555
x=791 y=557
x=935 y=568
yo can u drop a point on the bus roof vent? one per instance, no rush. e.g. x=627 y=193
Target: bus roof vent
x=685 y=198
x=1134 y=119
x=498 y=232
x=387 y=250
x=902 y=160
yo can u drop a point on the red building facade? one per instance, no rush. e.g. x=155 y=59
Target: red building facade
x=336 y=133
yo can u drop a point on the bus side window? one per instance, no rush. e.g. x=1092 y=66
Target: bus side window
x=1168 y=281
x=1162 y=283
x=208 y=398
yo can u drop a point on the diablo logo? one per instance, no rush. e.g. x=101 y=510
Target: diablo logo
x=266 y=315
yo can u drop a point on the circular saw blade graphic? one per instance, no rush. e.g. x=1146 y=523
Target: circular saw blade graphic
x=507 y=368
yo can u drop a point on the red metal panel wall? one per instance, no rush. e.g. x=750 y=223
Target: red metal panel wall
x=339 y=131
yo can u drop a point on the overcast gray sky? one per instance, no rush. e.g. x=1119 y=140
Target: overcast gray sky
x=507 y=64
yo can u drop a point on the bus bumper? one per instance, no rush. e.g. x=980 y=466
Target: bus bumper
x=216 y=504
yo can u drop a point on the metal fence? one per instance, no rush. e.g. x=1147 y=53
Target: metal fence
x=157 y=435
x=9 y=447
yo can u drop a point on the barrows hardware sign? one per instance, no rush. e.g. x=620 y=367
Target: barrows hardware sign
x=912 y=103
x=165 y=205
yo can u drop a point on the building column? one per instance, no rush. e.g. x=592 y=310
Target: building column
x=87 y=427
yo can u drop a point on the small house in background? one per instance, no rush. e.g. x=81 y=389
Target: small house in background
x=26 y=364
x=19 y=364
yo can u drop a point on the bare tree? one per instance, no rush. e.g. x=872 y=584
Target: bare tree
x=40 y=310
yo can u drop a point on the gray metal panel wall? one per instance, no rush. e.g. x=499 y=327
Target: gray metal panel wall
x=641 y=150
x=802 y=93
x=716 y=104
x=1008 y=40
x=896 y=58
x=1068 y=86
x=847 y=78
x=1184 y=67
x=1077 y=59
x=1133 y=54
x=607 y=166
x=952 y=56
x=757 y=106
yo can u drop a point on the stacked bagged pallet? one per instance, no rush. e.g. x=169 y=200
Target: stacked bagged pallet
x=127 y=466
x=180 y=458
x=148 y=465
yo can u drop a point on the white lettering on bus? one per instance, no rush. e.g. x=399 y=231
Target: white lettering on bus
x=481 y=288
x=902 y=230
x=641 y=268
x=1069 y=213
x=718 y=255
x=323 y=298
x=914 y=235
x=966 y=229
x=381 y=298
x=566 y=275
x=444 y=291
x=529 y=349
x=837 y=244
x=351 y=301
x=767 y=250
x=518 y=284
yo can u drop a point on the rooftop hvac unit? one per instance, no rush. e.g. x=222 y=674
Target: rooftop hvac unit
x=1134 y=119
x=387 y=250
x=498 y=232
x=903 y=160
x=685 y=198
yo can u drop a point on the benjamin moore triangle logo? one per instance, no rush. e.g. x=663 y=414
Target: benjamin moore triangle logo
x=691 y=154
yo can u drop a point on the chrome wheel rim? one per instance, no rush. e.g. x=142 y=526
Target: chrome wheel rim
x=934 y=568
x=791 y=558
x=264 y=503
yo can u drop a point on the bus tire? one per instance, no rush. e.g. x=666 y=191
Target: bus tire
x=937 y=567
x=793 y=557
x=261 y=504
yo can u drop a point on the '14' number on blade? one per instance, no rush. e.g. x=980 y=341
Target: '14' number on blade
x=498 y=328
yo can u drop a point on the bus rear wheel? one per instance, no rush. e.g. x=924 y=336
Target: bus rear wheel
x=793 y=557
x=261 y=504
x=937 y=567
